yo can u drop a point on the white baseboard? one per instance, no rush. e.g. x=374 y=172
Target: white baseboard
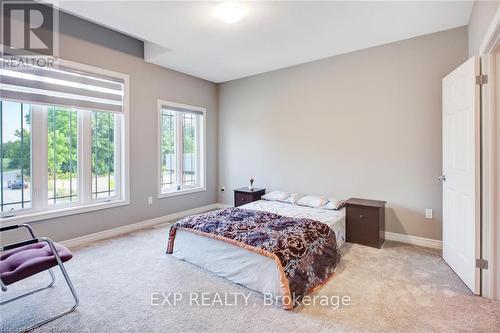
x=414 y=240
x=71 y=243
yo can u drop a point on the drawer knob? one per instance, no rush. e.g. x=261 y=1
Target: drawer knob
x=361 y=216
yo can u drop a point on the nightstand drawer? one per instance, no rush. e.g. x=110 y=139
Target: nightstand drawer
x=244 y=195
x=363 y=224
x=242 y=199
x=362 y=214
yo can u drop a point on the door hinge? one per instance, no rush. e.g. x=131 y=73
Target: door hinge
x=482 y=263
x=481 y=79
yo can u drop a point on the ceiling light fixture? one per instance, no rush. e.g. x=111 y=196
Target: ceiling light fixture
x=230 y=12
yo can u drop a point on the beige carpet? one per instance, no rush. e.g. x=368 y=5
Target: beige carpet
x=398 y=288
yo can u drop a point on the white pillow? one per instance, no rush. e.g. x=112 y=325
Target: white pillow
x=294 y=198
x=312 y=201
x=334 y=204
x=276 y=196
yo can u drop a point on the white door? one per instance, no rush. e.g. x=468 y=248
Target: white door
x=461 y=178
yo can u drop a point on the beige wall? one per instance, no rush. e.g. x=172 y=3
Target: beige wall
x=87 y=43
x=479 y=22
x=364 y=124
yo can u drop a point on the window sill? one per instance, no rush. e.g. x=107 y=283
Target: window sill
x=40 y=216
x=182 y=192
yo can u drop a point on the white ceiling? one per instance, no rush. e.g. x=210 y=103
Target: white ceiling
x=186 y=36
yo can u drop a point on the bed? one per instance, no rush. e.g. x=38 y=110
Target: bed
x=251 y=266
x=335 y=219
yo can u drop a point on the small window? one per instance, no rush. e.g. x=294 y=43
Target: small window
x=103 y=155
x=181 y=144
x=15 y=148
x=62 y=155
x=168 y=176
x=189 y=134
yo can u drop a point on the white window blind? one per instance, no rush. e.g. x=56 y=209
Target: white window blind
x=62 y=86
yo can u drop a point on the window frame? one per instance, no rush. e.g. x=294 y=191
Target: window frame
x=201 y=147
x=39 y=177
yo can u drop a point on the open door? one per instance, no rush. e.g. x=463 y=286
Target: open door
x=461 y=172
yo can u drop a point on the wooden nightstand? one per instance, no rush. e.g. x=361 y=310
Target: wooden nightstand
x=365 y=222
x=244 y=195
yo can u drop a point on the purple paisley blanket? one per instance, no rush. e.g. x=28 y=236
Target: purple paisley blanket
x=304 y=250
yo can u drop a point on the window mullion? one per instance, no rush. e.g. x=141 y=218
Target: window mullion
x=85 y=155
x=22 y=155
x=198 y=148
x=1 y=157
x=117 y=157
x=179 y=148
x=40 y=177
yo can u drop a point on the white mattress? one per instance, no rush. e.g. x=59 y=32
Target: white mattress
x=229 y=261
x=334 y=218
x=244 y=267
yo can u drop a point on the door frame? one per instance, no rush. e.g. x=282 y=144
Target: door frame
x=490 y=224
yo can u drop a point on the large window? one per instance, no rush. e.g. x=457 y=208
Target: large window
x=62 y=144
x=181 y=144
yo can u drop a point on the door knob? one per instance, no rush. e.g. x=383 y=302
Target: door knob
x=442 y=178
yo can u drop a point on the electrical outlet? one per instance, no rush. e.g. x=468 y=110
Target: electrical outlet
x=150 y=200
x=428 y=213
